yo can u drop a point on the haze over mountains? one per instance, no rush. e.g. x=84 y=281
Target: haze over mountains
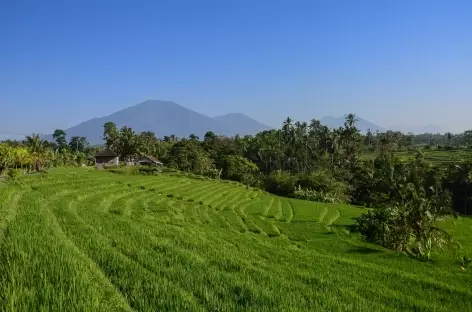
x=167 y=118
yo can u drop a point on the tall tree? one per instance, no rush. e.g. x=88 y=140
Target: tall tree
x=110 y=135
x=127 y=143
x=60 y=138
x=78 y=143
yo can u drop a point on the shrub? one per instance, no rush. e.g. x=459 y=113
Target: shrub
x=280 y=183
x=386 y=226
x=190 y=200
x=142 y=187
x=214 y=173
x=320 y=196
x=146 y=170
x=408 y=226
x=321 y=186
x=13 y=174
x=170 y=195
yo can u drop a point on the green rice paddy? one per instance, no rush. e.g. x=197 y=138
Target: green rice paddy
x=80 y=240
x=436 y=157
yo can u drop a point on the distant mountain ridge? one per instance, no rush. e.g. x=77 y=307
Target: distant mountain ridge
x=236 y=122
x=166 y=118
x=418 y=129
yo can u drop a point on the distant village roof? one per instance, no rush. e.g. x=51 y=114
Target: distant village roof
x=106 y=153
x=151 y=158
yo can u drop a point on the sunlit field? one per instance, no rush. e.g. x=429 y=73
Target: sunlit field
x=84 y=240
x=436 y=157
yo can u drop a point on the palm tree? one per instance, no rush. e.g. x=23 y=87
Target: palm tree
x=35 y=143
x=350 y=121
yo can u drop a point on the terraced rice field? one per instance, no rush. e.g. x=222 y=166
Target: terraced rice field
x=436 y=157
x=79 y=240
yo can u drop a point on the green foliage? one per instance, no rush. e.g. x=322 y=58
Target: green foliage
x=281 y=183
x=14 y=174
x=465 y=262
x=146 y=170
x=189 y=156
x=214 y=173
x=78 y=144
x=319 y=195
x=410 y=226
x=237 y=168
x=321 y=185
x=60 y=138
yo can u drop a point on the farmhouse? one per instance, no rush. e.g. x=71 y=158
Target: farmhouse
x=149 y=160
x=106 y=157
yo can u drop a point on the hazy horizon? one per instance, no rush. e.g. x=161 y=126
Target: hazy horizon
x=392 y=63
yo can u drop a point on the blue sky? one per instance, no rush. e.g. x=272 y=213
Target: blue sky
x=391 y=62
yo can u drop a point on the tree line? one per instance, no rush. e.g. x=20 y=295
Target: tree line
x=303 y=160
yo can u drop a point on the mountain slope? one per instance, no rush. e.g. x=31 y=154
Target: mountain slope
x=362 y=124
x=418 y=129
x=162 y=118
x=240 y=124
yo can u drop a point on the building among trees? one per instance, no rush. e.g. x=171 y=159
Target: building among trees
x=149 y=161
x=106 y=158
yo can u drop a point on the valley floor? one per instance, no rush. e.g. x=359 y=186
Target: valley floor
x=80 y=240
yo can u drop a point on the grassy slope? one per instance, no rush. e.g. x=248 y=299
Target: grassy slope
x=434 y=156
x=94 y=241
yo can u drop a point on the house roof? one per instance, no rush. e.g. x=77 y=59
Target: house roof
x=106 y=153
x=151 y=158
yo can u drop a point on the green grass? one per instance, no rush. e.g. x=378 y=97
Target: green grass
x=90 y=242
x=434 y=156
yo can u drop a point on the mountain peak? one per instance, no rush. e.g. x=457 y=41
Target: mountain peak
x=166 y=118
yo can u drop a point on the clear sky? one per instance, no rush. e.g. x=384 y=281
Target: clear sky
x=389 y=61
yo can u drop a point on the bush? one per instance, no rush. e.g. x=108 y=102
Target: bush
x=13 y=174
x=280 y=183
x=214 y=173
x=320 y=196
x=408 y=226
x=387 y=227
x=321 y=186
